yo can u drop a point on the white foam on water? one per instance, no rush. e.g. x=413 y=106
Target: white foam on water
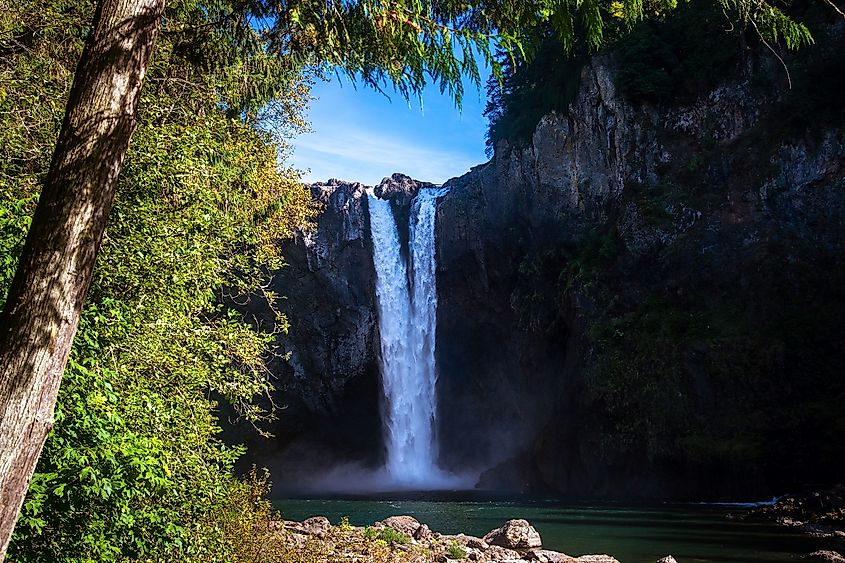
x=407 y=313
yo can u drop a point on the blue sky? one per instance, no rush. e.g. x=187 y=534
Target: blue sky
x=361 y=135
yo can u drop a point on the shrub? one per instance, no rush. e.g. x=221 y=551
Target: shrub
x=134 y=467
x=455 y=551
x=395 y=537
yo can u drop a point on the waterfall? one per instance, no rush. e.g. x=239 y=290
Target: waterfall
x=407 y=313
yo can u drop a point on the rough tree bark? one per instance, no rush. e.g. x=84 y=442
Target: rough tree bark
x=42 y=312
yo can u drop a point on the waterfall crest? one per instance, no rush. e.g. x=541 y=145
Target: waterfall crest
x=407 y=312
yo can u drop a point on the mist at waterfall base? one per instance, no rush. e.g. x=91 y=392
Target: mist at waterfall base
x=406 y=296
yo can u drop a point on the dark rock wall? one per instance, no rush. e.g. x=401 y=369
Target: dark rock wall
x=327 y=370
x=642 y=302
x=646 y=301
x=329 y=298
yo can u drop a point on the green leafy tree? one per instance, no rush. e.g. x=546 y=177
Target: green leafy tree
x=133 y=466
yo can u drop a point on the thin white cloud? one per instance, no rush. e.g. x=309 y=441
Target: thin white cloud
x=368 y=156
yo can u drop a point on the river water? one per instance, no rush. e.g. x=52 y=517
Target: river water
x=631 y=534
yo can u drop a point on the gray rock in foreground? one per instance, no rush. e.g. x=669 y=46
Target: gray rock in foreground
x=522 y=543
x=314 y=526
x=514 y=534
x=407 y=525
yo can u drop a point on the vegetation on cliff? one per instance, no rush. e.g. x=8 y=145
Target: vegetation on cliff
x=712 y=351
x=668 y=57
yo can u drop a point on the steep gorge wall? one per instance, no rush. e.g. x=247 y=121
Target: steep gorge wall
x=327 y=380
x=326 y=371
x=646 y=301
x=641 y=302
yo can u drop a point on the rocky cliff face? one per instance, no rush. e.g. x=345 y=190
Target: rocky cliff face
x=327 y=370
x=641 y=302
x=644 y=301
x=329 y=299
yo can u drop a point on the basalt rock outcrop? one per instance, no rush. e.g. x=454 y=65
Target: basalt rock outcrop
x=641 y=301
x=644 y=301
x=327 y=374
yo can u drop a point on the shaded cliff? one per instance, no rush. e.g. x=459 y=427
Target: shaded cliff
x=647 y=300
x=643 y=300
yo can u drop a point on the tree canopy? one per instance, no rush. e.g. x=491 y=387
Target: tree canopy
x=408 y=44
x=134 y=466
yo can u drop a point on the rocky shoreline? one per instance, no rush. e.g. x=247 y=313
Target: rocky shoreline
x=403 y=538
x=819 y=514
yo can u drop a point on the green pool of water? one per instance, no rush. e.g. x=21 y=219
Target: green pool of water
x=631 y=534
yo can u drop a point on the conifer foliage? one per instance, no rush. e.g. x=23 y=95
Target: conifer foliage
x=664 y=49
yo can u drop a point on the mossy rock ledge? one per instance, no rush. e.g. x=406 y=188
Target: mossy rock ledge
x=403 y=538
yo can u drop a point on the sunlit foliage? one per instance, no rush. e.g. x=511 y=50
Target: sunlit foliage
x=134 y=467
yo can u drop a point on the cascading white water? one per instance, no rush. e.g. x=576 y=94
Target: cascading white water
x=407 y=311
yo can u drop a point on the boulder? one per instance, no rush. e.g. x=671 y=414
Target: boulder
x=476 y=555
x=498 y=553
x=423 y=533
x=315 y=526
x=408 y=525
x=546 y=556
x=467 y=541
x=667 y=559
x=514 y=534
x=603 y=558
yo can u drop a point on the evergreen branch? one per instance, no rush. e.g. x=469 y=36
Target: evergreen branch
x=835 y=8
x=775 y=53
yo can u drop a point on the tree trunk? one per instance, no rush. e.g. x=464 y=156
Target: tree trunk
x=45 y=300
